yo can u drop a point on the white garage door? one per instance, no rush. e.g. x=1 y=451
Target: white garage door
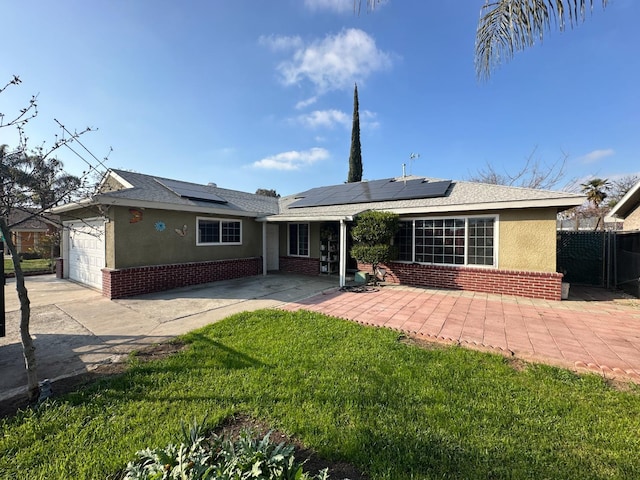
x=86 y=252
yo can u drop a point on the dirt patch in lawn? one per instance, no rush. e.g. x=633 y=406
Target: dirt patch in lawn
x=313 y=463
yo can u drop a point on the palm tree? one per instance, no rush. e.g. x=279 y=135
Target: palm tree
x=508 y=26
x=596 y=192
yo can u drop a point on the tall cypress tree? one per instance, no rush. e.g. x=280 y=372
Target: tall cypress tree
x=355 y=156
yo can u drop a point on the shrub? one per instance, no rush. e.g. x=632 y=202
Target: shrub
x=30 y=255
x=372 y=235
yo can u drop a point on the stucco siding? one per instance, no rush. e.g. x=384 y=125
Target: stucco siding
x=632 y=221
x=109 y=250
x=527 y=240
x=157 y=237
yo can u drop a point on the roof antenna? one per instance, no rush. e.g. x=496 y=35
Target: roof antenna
x=412 y=157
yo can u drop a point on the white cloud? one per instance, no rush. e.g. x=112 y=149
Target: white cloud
x=597 y=155
x=324 y=118
x=368 y=120
x=279 y=43
x=293 y=160
x=339 y=6
x=305 y=103
x=333 y=63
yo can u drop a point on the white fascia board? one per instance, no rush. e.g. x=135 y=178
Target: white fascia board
x=114 y=175
x=67 y=207
x=622 y=202
x=561 y=203
x=121 y=180
x=306 y=218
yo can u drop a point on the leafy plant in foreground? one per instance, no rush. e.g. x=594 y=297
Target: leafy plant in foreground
x=219 y=458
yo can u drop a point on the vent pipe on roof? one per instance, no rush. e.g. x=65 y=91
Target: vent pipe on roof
x=404 y=170
x=211 y=184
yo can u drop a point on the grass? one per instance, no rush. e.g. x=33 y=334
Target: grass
x=37 y=265
x=350 y=392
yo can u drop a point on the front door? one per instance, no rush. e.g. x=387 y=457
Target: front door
x=273 y=247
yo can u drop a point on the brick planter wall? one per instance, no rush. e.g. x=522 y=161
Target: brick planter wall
x=506 y=282
x=300 y=265
x=126 y=282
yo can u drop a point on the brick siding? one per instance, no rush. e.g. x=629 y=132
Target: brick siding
x=125 y=282
x=487 y=280
x=300 y=265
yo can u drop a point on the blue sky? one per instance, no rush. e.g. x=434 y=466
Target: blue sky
x=259 y=94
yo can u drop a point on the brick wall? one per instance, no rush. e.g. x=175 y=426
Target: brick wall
x=126 y=282
x=507 y=282
x=300 y=265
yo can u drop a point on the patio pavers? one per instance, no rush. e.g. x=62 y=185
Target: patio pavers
x=595 y=330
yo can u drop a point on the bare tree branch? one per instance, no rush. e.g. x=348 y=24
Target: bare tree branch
x=534 y=174
x=33 y=180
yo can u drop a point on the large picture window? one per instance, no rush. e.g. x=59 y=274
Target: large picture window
x=299 y=239
x=219 y=231
x=447 y=241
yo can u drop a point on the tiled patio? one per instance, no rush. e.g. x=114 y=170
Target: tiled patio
x=595 y=330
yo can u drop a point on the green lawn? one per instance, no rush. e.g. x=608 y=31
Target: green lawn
x=28 y=265
x=350 y=392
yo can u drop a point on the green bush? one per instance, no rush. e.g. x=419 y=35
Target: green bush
x=200 y=457
x=372 y=235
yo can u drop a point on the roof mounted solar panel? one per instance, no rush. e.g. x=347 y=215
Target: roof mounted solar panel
x=374 y=191
x=191 y=191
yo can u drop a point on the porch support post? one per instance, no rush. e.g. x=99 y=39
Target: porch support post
x=343 y=253
x=264 y=248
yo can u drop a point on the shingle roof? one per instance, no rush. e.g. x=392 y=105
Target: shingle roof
x=461 y=196
x=148 y=188
x=136 y=189
x=25 y=220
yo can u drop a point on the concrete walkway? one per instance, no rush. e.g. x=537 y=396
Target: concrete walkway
x=595 y=330
x=76 y=329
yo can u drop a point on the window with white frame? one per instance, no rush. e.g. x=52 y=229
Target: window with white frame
x=299 y=239
x=219 y=231
x=448 y=241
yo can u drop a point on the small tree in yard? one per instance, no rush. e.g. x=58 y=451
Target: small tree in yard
x=31 y=181
x=372 y=235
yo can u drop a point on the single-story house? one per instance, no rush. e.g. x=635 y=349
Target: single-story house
x=29 y=232
x=628 y=208
x=142 y=233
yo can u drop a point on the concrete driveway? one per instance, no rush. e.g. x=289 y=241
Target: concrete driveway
x=76 y=329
